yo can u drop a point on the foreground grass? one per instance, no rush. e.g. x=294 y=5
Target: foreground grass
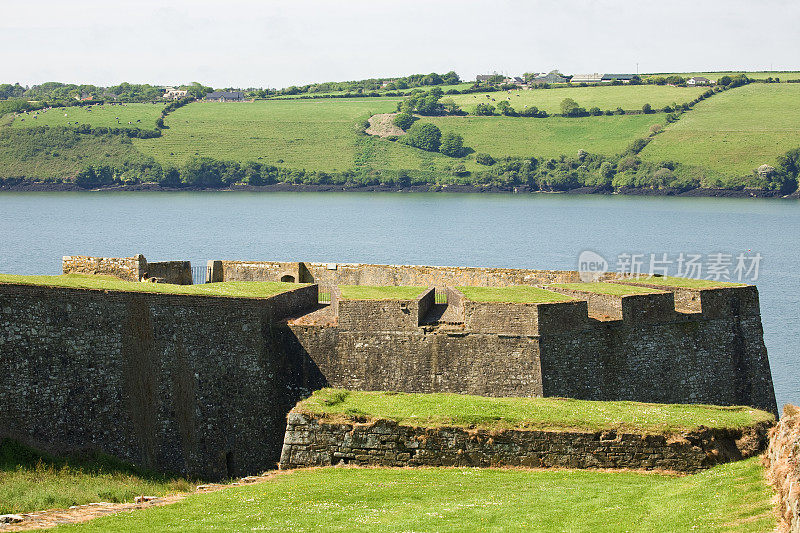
x=683 y=283
x=514 y=294
x=441 y=409
x=230 y=289
x=368 y=292
x=735 y=131
x=611 y=289
x=33 y=481
x=731 y=497
x=606 y=97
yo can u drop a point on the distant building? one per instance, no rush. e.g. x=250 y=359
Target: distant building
x=485 y=78
x=519 y=82
x=624 y=78
x=553 y=76
x=225 y=96
x=587 y=78
x=171 y=93
x=698 y=80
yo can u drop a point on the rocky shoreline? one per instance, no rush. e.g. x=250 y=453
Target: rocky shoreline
x=38 y=186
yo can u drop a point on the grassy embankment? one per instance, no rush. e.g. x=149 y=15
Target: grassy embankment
x=730 y=497
x=444 y=409
x=611 y=289
x=735 y=131
x=230 y=289
x=683 y=283
x=606 y=97
x=514 y=294
x=32 y=481
x=369 y=292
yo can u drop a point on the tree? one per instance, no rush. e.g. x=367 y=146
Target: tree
x=94 y=176
x=505 y=109
x=452 y=145
x=423 y=136
x=595 y=111
x=647 y=109
x=403 y=120
x=570 y=108
x=484 y=159
x=484 y=109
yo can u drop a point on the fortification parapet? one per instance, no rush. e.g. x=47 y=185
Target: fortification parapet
x=135 y=268
x=525 y=318
x=383 y=314
x=649 y=307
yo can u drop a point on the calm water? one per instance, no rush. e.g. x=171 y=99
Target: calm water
x=536 y=231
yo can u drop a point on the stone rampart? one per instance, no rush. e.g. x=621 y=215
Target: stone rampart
x=186 y=384
x=382 y=315
x=524 y=318
x=313 y=440
x=783 y=467
x=135 y=268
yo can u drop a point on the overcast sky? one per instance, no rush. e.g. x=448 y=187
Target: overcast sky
x=248 y=43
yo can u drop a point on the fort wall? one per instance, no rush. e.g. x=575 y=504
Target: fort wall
x=783 y=467
x=135 y=268
x=314 y=440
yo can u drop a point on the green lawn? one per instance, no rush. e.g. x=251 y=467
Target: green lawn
x=443 y=409
x=548 y=137
x=730 y=497
x=302 y=134
x=794 y=75
x=683 y=283
x=230 y=289
x=515 y=294
x=606 y=97
x=735 y=131
x=34 y=481
x=369 y=292
x=141 y=116
x=600 y=287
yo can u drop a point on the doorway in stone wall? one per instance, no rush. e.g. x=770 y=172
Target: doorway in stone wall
x=287 y=278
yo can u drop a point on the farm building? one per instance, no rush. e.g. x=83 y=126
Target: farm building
x=624 y=78
x=225 y=96
x=553 y=76
x=698 y=80
x=587 y=78
x=171 y=93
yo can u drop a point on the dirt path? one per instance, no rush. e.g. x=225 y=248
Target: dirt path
x=82 y=513
x=382 y=125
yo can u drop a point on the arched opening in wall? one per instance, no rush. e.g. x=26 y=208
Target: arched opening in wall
x=287 y=278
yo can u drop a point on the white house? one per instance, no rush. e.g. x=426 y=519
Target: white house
x=698 y=80
x=174 y=94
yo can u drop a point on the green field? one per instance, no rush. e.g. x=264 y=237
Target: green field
x=730 y=497
x=515 y=294
x=735 y=131
x=34 y=481
x=141 y=116
x=793 y=75
x=369 y=292
x=606 y=97
x=444 y=88
x=612 y=289
x=229 y=289
x=303 y=134
x=444 y=409
x=548 y=137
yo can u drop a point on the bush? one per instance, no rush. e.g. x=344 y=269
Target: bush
x=647 y=109
x=94 y=176
x=505 y=109
x=570 y=108
x=423 y=136
x=595 y=111
x=452 y=145
x=655 y=128
x=484 y=159
x=484 y=109
x=403 y=120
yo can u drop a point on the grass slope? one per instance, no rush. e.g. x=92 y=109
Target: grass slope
x=230 y=289
x=612 y=289
x=444 y=409
x=141 y=116
x=731 y=497
x=515 y=294
x=548 y=137
x=758 y=75
x=628 y=97
x=33 y=481
x=735 y=131
x=368 y=292
x=309 y=134
x=58 y=153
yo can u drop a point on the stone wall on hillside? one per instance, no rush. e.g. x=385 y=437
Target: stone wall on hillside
x=313 y=440
x=185 y=384
x=783 y=467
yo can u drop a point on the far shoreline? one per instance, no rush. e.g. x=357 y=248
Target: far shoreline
x=37 y=186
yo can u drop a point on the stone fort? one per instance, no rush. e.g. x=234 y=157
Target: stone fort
x=202 y=384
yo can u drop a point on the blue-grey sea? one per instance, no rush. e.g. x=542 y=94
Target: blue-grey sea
x=721 y=237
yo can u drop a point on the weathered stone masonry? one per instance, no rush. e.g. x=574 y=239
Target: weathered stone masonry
x=783 y=467
x=313 y=440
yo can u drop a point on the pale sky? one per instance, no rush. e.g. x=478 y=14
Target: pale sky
x=275 y=44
